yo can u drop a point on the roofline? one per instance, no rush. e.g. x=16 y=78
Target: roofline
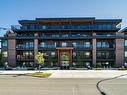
x=66 y=18
x=116 y=21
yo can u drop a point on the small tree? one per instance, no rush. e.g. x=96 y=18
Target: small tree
x=9 y=33
x=40 y=59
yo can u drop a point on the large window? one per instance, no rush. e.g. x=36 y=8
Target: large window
x=105 y=64
x=25 y=45
x=25 y=55
x=82 y=54
x=105 y=45
x=105 y=54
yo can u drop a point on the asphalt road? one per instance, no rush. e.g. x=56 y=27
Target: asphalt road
x=23 y=85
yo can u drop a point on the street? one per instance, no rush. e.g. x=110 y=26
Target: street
x=26 y=85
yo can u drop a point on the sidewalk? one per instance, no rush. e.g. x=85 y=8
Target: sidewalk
x=87 y=74
x=75 y=73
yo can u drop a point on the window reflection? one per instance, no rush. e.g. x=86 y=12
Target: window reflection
x=105 y=45
x=26 y=45
x=4 y=43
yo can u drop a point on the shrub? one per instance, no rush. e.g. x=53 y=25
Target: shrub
x=39 y=74
x=98 y=68
x=122 y=68
x=30 y=68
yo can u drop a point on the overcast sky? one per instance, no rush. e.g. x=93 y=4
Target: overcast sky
x=13 y=10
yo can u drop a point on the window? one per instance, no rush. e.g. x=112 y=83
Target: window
x=43 y=27
x=102 y=44
x=25 y=45
x=25 y=55
x=5 y=54
x=87 y=54
x=65 y=35
x=125 y=53
x=31 y=44
x=86 y=44
x=42 y=44
x=125 y=42
x=105 y=54
x=74 y=44
x=53 y=54
x=0 y=43
x=99 y=44
x=64 y=44
x=55 y=44
x=4 y=43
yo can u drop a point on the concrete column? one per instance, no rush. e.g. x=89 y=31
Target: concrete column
x=119 y=52
x=35 y=47
x=12 y=52
x=58 y=53
x=94 y=52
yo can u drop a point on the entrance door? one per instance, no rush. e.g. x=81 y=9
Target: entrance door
x=64 y=60
x=64 y=57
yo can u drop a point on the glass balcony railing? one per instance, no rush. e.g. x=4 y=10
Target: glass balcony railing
x=67 y=27
x=52 y=46
x=20 y=46
x=49 y=46
x=64 y=36
x=69 y=36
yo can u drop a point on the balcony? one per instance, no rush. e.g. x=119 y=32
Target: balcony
x=81 y=36
x=65 y=36
x=76 y=47
x=55 y=37
x=66 y=27
x=71 y=36
x=83 y=47
x=105 y=36
x=22 y=47
x=47 y=47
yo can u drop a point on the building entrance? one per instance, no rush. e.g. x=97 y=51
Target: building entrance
x=64 y=57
